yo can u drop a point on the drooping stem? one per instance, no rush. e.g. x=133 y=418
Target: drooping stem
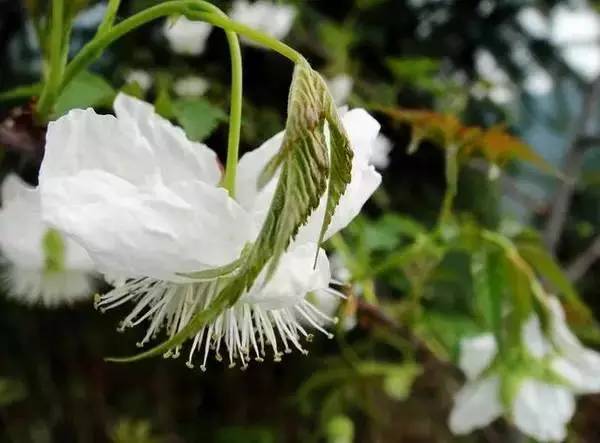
x=55 y=61
x=235 y=113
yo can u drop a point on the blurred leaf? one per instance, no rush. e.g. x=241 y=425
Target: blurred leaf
x=398 y=383
x=84 y=91
x=415 y=72
x=545 y=265
x=198 y=117
x=488 y=283
x=340 y=429
x=442 y=332
x=163 y=105
x=11 y=391
x=386 y=233
x=21 y=92
x=133 y=431
x=239 y=434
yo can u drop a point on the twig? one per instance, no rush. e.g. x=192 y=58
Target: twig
x=582 y=263
x=580 y=140
x=510 y=187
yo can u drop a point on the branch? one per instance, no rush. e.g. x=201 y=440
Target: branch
x=582 y=263
x=580 y=140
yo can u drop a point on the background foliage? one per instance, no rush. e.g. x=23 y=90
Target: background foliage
x=390 y=378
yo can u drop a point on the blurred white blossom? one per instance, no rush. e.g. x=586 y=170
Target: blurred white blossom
x=340 y=88
x=142 y=78
x=190 y=86
x=22 y=235
x=380 y=158
x=147 y=203
x=273 y=19
x=499 y=87
x=539 y=402
x=187 y=37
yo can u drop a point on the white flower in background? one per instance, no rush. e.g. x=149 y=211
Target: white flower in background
x=146 y=203
x=270 y=18
x=187 y=37
x=22 y=235
x=340 y=88
x=142 y=78
x=539 y=408
x=380 y=158
x=190 y=86
x=91 y=17
x=500 y=89
x=534 y=22
x=577 y=32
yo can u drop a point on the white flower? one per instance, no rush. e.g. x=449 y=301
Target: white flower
x=186 y=36
x=340 y=88
x=21 y=241
x=142 y=78
x=146 y=203
x=90 y=17
x=539 y=408
x=190 y=86
x=380 y=158
x=270 y=18
x=577 y=32
x=500 y=89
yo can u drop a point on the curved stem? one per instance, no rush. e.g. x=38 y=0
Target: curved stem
x=55 y=62
x=235 y=113
x=451 y=184
x=192 y=8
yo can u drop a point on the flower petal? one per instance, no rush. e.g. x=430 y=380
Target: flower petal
x=176 y=156
x=154 y=232
x=476 y=405
x=542 y=410
x=534 y=338
x=476 y=354
x=187 y=36
x=294 y=278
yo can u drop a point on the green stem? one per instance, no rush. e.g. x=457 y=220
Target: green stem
x=109 y=16
x=451 y=184
x=55 y=63
x=235 y=113
x=185 y=7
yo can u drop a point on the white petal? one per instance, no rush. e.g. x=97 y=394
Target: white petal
x=340 y=88
x=83 y=139
x=22 y=230
x=476 y=354
x=476 y=405
x=542 y=411
x=176 y=156
x=296 y=275
x=191 y=86
x=380 y=157
x=187 y=36
x=153 y=231
x=534 y=338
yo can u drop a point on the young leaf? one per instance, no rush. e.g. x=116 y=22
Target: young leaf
x=85 y=90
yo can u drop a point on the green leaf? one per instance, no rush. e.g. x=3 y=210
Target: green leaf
x=84 y=91
x=198 y=117
x=488 y=283
x=303 y=180
x=54 y=251
x=11 y=391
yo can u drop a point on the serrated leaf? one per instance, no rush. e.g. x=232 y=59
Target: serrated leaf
x=303 y=180
x=198 y=117
x=84 y=91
